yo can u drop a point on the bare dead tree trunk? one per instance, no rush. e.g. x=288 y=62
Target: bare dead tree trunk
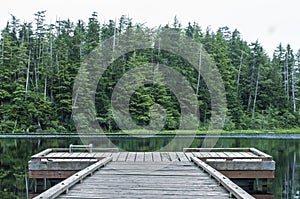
x=251 y=82
x=287 y=77
x=255 y=94
x=293 y=89
x=27 y=74
x=239 y=73
x=51 y=66
x=199 y=70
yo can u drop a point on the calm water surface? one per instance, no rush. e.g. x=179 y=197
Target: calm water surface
x=15 y=154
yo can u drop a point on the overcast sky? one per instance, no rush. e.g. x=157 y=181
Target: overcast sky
x=268 y=21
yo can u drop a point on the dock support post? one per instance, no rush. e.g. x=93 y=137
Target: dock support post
x=45 y=183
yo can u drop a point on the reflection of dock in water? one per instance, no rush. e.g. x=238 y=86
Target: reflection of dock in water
x=108 y=173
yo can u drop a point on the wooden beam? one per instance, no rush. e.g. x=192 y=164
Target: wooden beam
x=41 y=154
x=60 y=165
x=51 y=174
x=94 y=149
x=236 y=158
x=263 y=196
x=242 y=165
x=65 y=185
x=260 y=153
x=70 y=157
x=233 y=189
x=248 y=174
x=215 y=149
x=73 y=146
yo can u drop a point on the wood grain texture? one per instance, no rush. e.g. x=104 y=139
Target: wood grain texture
x=148 y=180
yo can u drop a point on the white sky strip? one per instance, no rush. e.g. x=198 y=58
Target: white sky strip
x=268 y=21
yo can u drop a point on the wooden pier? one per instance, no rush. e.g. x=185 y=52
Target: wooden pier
x=108 y=173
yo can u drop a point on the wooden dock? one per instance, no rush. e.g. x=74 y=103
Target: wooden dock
x=113 y=174
x=245 y=163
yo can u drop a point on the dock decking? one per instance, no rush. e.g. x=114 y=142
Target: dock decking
x=138 y=180
x=113 y=174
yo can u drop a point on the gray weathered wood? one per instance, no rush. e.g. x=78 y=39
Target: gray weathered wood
x=156 y=156
x=243 y=165
x=140 y=157
x=182 y=157
x=122 y=157
x=226 y=182
x=71 y=181
x=131 y=157
x=170 y=180
x=173 y=156
x=148 y=157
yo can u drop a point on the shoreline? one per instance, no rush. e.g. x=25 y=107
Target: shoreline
x=118 y=135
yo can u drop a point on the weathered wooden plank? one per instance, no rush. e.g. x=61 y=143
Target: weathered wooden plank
x=165 y=157
x=260 y=153
x=144 y=196
x=107 y=154
x=173 y=157
x=249 y=174
x=197 y=154
x=215 y=149
x=189 y=155
x=202 y=154
x=148 y=157
x=226 y=182
x=42 y=154
x=156 y=156
x=60 y=165
x=214 y=154
x=102 y=196
x=40 y=174
x=50 y=155
x=245 y=154
x=231 y=154
x=122 y=157
x=115 y=156
x=80 y=147
x=176 y=180
x=131 y=157
x=71 y=181
x=263 y=196
x=148 y=194
x=141 y=191
x=97 y=155
x=251 y=154
x=76 y=154
x=140 y=157
x=243 y=165
x=65 y=155
x=58 y=154
x=222 y=155
x=181 y=156
x=148 y=172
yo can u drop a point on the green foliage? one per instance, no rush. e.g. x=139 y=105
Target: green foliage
x=39 y=63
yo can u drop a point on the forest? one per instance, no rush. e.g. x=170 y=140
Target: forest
x=39 y=63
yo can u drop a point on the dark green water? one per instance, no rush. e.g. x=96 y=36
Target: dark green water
x=15 y=154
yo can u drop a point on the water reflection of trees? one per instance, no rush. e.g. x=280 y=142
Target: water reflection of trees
x=14 y=157
x=15 y=154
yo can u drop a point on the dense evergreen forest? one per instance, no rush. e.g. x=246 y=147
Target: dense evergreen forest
x=39 y=62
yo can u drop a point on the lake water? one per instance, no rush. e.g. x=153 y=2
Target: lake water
x=285 y=149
